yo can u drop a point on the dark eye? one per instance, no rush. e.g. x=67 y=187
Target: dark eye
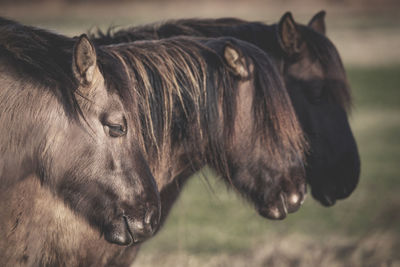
x=116 y=130
x=114 y=124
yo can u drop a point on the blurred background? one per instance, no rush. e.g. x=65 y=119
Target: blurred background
x=210 y=226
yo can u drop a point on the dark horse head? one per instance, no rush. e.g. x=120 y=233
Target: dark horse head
x=320 y=93
x=315 y=79
x=219 y=102
x=65 y=120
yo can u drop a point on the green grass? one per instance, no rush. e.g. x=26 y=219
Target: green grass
x=376 y=87
x=211 y=222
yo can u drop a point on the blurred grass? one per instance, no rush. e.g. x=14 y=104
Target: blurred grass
x=206 y=223
x=375 y=87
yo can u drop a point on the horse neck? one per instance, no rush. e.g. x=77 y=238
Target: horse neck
x=179 y=156
x=25 y=109
x=192 y=155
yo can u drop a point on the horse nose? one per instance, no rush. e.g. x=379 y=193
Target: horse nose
x=141 y=229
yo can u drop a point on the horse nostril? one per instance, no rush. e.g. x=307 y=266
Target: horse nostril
x=149 y=216
x=151 y=219
x=118 y=233
x=141 y=229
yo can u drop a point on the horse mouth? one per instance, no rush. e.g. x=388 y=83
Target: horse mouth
x=273 y=213
x=132 y=238
x=279 y=209
x=135 y=237
x=140 y=230
x=128 y=230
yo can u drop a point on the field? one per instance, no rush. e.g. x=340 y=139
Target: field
x=210 y=226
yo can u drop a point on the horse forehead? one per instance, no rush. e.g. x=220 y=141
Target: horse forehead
x=306 y=68
x=101 y=98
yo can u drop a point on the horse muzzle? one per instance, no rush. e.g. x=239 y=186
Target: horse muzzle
x=128 y=230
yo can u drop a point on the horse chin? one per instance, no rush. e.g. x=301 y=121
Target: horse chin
x=339 y=184
x=328 y=194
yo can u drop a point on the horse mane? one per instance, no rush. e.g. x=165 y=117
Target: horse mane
x=188 y=27
x=183 y=81
x=275 y=119
x=325 y=52
x=257 y=33
x=169 y=80
x=45 y=58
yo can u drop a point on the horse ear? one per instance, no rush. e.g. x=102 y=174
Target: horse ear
x=236 y=61
x=317 y=23
x=288 y=35
x=84 y=60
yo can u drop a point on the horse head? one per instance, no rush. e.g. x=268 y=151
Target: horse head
x=320 y=93
x=265 y=145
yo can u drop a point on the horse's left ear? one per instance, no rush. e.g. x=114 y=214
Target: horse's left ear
x=84 y=60
x=236 y=61
x=289 y=36
x=317 y=23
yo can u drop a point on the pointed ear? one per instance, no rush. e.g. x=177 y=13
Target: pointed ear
x=236 y=61
x=84 y=60
x=288 y=35
x=317 y=23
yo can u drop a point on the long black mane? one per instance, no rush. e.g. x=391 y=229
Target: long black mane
x=257 y=33
x=41 y=57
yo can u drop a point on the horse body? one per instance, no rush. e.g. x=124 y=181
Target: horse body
x=315 y=79
x=74 y=182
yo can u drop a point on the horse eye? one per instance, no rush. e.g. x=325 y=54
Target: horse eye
x=116 y=130
x=316 y=95
x=114 y=124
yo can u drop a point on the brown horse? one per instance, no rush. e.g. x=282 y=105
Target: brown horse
x=315 y=79
x=72 y=169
